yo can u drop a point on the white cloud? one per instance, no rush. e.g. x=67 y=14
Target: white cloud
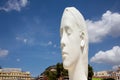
x=55 y=46
x=14 y=5
x=50 y=43
x=3 y=52
x=22 y=39
x=115 y=67
x=108 y=25
x=45 y=44
x=18 y=60
x=110 y=56
x=53 y=52
x=25 y=40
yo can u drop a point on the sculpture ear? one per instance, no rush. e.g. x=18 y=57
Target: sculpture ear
x=82 y=43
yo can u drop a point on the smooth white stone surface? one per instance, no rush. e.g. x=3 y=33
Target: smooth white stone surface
x=74 y=44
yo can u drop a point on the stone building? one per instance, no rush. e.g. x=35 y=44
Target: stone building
x=101 y=73
x=116 y=74
x=14 y=74
x=108 y=74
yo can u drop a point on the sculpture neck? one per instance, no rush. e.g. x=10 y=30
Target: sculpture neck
x=77 y=71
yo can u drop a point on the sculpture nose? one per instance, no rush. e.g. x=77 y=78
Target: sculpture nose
x=62 y=46
x=63 y=41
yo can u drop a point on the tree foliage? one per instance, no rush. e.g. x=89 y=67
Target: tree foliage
x=53 y=75
x=109 y=79
x=61 y=72
x=90 y=72
x=0 y=67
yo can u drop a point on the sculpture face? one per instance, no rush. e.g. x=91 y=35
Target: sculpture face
x=70 y=40
x=74 y=44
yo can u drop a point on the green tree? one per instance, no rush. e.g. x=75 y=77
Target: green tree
x=0 y=67
x=90 y=72
x=53 y=75
x=109 y=79
x=50 y=75
x=60 y=70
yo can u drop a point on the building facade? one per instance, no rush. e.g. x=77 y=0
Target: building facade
x=101 y=73
x=116 y=74
x=14 y=74
x=108 y=74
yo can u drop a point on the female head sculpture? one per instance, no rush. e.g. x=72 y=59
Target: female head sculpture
x=74 y=44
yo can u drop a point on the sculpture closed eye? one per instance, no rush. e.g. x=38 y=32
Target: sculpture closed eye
x=68 y=31
x=65 y=30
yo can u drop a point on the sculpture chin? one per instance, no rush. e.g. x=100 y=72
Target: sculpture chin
x=67 y=64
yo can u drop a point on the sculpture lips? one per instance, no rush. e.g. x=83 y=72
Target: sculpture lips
x=64 y=54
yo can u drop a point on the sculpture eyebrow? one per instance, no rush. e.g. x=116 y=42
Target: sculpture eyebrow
x=68 y=28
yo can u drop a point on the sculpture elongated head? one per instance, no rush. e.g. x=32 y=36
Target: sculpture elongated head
x=73 y=36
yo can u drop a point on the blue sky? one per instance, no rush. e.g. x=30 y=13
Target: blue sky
x=30 y=38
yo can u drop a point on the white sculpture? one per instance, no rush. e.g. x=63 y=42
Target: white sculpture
x=74 y=44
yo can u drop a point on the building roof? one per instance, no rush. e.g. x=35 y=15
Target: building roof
x=10 y=70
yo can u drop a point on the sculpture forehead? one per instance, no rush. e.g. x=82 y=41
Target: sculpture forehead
x=67 y=21
x=67 y=18
x=69 y=12
x=71 y=9
x=73 y=18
